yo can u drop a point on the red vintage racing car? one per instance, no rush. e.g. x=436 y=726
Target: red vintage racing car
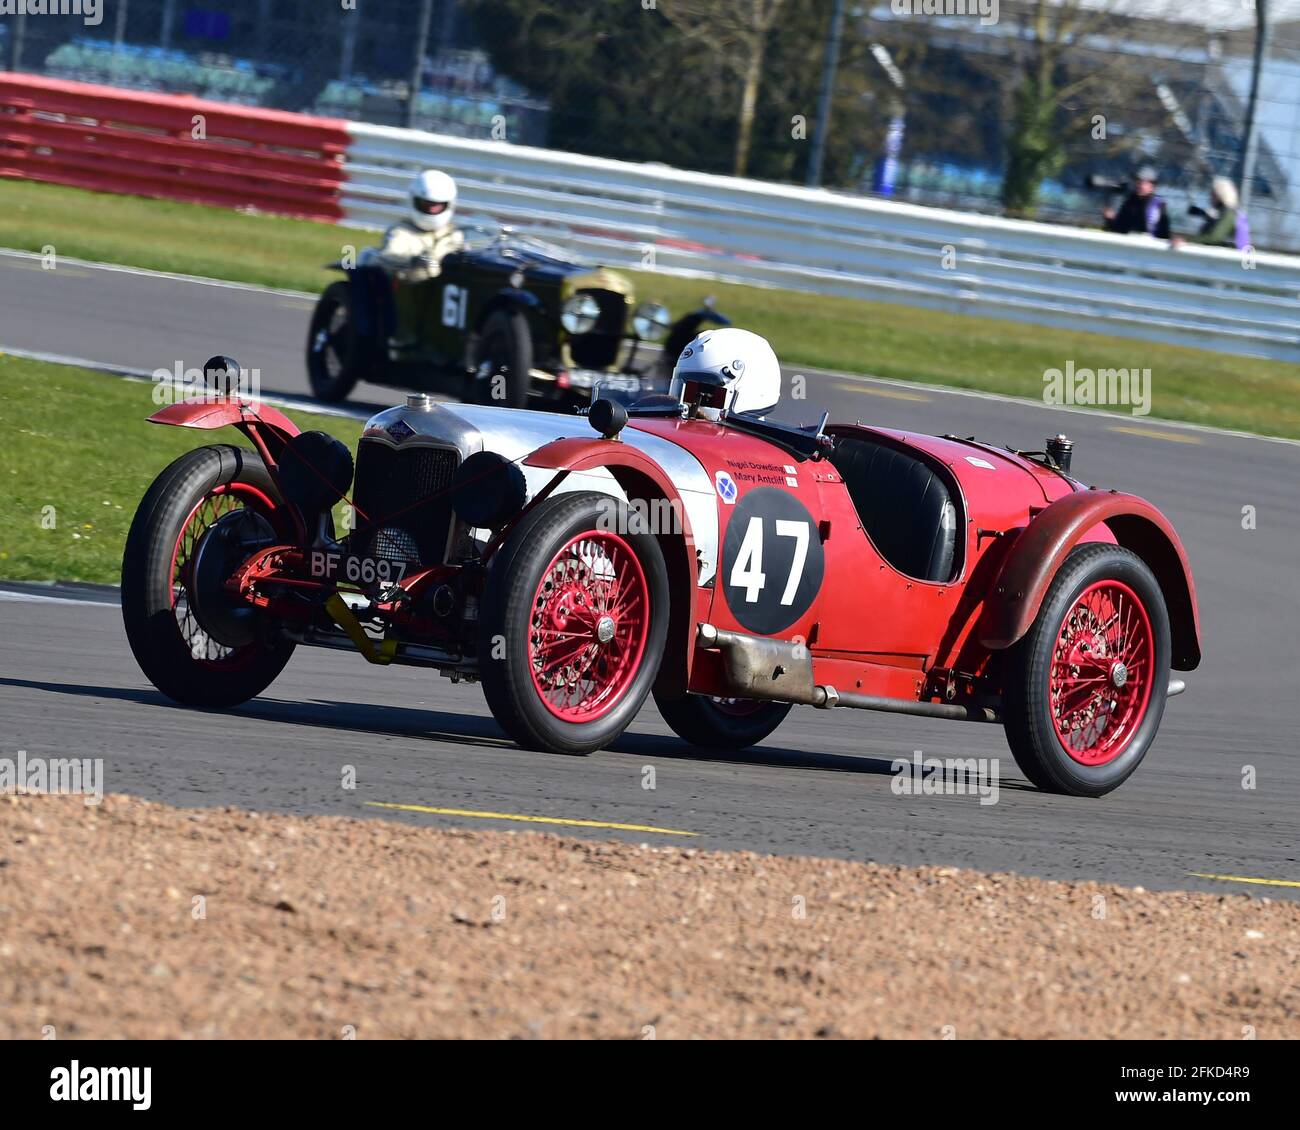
x=683 y=547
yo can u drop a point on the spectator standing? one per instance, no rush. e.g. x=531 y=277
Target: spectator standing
x=1142 y=210
x=1225 y=223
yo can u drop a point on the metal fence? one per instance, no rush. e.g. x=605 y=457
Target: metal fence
x=657 y=218
x=923 y=107
x=337 y=59
x=173 y=147
x=654 y=217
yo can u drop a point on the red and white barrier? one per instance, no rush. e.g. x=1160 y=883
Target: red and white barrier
x=171 y=146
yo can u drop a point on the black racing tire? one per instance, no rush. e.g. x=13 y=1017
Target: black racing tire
x=526 y=625
x=171 y=646
x=505 y=349
x=333 y=333
x=711 y=724
x=1096 y=585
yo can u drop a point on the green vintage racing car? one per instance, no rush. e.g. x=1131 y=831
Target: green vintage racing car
x=509 y=320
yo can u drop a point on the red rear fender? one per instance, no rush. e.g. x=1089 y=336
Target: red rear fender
x=1040 y=550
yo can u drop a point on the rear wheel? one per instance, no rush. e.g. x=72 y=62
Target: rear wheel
x=505 y=360
x=1086 y=687
x=335 y=351
x=572 y=625
x=161 y=597
x=722 y=723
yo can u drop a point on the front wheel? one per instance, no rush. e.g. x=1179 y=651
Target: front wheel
x=572 y=624
x=721 y=723
x=505 y=361
x=162 y=597
x=1086 y=688
x=335 y=350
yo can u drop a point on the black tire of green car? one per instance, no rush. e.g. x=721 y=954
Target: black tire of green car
x=168 y=642
x=516 y=599
x=332 y=335
x=505 y=347
x=705 y=722
x=1029 y=715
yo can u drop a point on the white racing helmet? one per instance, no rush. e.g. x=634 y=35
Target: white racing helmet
x=433 y=200
x=728 y=370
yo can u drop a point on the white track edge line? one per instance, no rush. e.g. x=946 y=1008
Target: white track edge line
x=122 y=268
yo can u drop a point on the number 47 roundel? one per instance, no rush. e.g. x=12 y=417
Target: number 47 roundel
x=772 y=561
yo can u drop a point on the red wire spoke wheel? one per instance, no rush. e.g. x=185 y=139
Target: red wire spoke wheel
x=589 y=626
x=223 y=499
x=1084 y=691
x=572 y=623
x=160 y=597
x=1100 y=676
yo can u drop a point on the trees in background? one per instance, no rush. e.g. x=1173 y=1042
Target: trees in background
x=730 y=86
x=735 y=35
x=693 y=83
x=1070 y=85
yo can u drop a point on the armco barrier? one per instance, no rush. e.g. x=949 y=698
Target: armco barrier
x=805 y=239
x=170 y=146
x=670 y=220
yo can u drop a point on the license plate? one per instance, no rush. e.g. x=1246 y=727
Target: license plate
x=329 y=565
x=621 y=384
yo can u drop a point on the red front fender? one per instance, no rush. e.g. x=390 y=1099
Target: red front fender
x=267 y=427
x=1041 y=549
x=642 y=478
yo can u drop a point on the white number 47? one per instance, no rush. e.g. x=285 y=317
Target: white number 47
x=747 y=572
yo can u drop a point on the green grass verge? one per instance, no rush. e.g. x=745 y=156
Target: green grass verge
x=161 y=235
x=77 y=458
x=906 y=343
x=900 y=342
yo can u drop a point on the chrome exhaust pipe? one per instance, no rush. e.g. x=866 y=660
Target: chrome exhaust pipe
x=781 y=671
x=953 y=712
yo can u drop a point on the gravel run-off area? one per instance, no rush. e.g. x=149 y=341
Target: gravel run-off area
x=133 y=919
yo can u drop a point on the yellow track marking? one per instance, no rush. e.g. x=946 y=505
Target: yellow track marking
x=1152 y=433
x=890 y=393
x=528 y=819
x=1247 y=879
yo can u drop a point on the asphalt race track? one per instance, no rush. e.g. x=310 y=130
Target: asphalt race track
x=822 y=783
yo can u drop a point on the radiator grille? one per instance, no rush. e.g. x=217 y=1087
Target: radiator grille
x=404 y=497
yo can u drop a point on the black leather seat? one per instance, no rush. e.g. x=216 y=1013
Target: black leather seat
x=903 y=504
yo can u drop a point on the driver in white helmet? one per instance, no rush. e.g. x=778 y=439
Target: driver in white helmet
x=727 y=371
x=414 y=247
